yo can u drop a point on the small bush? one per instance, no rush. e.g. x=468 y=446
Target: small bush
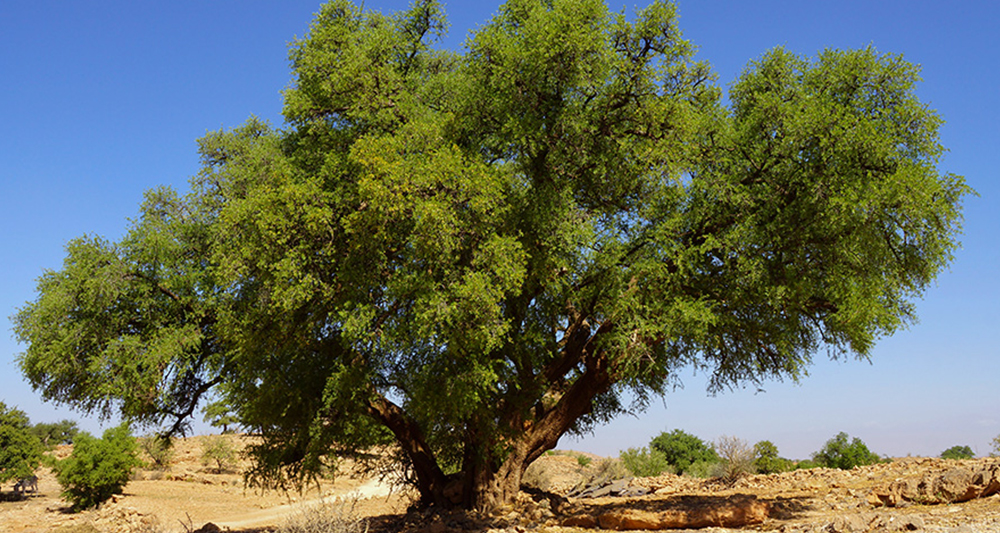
x=996 y=447
x=681 y=450
x=838 y=453
x=159 y=450
x=805 y=464
x=218 y=450
x=703 y=469
x=97 y=468
x=644 y=462
x=324 y=518
x=958 y=452
x=583 y=460
x=737 y=457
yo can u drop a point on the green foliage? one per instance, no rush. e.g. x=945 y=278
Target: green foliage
x=681 y=450
x=839 y=453
x=220 y=415
x=806 y=464
x=644 y=462
x=766 y=460
x=159 y=451
x=583 y=460
x=20 y=449
x=996 y=447
x=52 y=434
x=97 y=468
x=218 y=450
x=475 y=254
x=737 y=458
x=958 y=452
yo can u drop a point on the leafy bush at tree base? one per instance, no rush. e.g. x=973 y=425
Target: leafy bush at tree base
x=97 y=468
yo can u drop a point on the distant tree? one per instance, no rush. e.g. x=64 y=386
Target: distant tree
x=472 y=254
x=958 y=452
x=54 y=433
x=839 y=453
x=97 y=468
x=766 y=459
x=996 y=447
x=218 y=450
x=20 y=449
x=681 y=449
x=220 y=415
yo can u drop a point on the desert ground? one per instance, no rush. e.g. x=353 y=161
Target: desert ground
x=907 y=494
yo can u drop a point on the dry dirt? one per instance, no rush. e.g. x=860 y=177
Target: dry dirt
x=189 y=495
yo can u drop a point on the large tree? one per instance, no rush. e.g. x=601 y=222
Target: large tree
x=471 y=255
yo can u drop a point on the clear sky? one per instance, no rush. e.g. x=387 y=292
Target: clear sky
x=100 y=101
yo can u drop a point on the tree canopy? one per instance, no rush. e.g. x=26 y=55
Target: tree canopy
x=472 y=254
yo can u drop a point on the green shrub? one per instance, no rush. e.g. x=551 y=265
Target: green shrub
x=737 y=457
x=20 y=450
x=805 y=465
x=159 y=450
x=958 y=452
x=97 y=468
x=703 y=469
x=766 y=459
x=838 y=453
x=219 y=450
x=681 y=450
x=996 y=447
x=644 y=462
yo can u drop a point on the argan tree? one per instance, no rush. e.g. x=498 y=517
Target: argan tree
x=20 y=449
x=473 y=254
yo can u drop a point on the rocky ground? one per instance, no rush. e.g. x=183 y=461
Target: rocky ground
x=910 y=494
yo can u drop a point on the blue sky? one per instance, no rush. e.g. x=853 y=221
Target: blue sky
x=100 y=101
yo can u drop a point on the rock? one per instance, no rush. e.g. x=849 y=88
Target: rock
x=735 y=513
x=850 y=523
x=208 y=528
x=956 y=485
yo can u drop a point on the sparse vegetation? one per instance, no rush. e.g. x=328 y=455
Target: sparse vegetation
x=325 y=518
x=159 y=450
x=958 y=452
x=996 y=447
x=839 y=453
x=682 y=451
x=644 y=462
x=605 y=471
x=218 y=450
x=737 y=457
x=97 y=468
